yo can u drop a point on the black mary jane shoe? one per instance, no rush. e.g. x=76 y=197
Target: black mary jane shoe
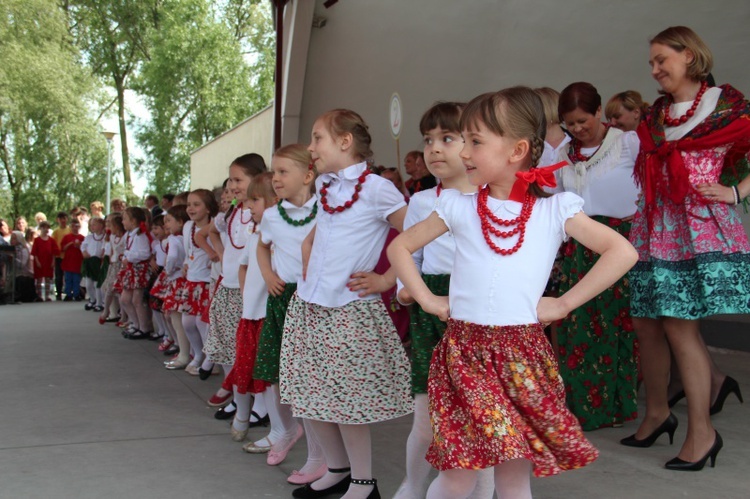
x=259 y=421
x=204 y=374
x=668 y=426
x=678 y=464
x=374 y=493
x=225 y=412
x=307 y=492
x=729 y=385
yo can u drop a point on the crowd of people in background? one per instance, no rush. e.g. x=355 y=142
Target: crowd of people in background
x=31 y=267
x=522 y=217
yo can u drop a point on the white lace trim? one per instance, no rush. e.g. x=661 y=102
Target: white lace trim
x=576 y=175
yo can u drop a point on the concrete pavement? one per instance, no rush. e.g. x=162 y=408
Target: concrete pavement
x=86 y=414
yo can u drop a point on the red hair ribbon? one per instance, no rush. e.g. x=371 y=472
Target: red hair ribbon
x=144 y=230
x=543 y=177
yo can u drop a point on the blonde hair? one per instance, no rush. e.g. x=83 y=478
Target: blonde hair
x=550 y=98
x=339 y=122
x=680 y=38
x=629 y=99
x=301 y=156
x=515 y=112
x=97 y=205
x=262 y=188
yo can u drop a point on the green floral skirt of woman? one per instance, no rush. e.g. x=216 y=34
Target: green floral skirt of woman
x=597 y=346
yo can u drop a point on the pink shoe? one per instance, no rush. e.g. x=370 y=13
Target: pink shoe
x=277 y=457
x=298 y=478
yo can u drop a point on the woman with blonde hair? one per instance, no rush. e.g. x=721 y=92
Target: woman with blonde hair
x=625 y=109
x=694 y=255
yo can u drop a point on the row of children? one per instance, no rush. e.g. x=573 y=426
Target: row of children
x=79 y=260
x=297 y=323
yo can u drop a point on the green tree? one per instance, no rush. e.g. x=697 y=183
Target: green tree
x=208 y=70
x=113 y=35
x=50 y=148
x=251 y=23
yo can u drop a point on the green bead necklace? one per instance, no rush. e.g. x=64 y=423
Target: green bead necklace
x=298 y=223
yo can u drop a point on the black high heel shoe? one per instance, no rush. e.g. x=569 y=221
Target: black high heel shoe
x=668 y=426
x=729 y=385
x=307 y=492
x=676 y=398
x=678 y=464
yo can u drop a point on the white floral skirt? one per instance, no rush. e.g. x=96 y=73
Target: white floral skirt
x=225 y=314
x=345 y=364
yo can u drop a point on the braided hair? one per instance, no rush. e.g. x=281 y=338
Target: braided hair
x=515 y=112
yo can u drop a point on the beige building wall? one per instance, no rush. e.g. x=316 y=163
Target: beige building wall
x=209 y=164
x=430 y=50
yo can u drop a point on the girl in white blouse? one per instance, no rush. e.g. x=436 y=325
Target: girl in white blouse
x=135 y=273
x=495 y=395
x=342 y=363
x=285 y=225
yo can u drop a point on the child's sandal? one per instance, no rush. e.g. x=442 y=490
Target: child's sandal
x=165 y=344
x=138 y=335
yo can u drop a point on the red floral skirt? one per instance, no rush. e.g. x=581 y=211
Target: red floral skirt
x=212 y=291
x=161 y=286
x=495 y=395
x=173 y=294
x=241 y=375
x=133 y=276
x=193 y=297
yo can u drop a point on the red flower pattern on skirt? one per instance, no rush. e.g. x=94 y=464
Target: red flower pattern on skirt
x=241 y=375
x=495 y=395
x=212 y=287
x=174 y=295
x=161 y=286
x=133 y=276
x=193 y=297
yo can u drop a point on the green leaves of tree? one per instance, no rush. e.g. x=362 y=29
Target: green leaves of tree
x=200 y=66
x=208 y=69
x=50 y=150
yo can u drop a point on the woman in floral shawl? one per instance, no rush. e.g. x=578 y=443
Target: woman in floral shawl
x=694 y=253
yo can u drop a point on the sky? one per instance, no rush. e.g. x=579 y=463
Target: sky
x=134 y=109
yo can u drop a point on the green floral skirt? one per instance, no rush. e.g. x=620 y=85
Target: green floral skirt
x=597 y=346
x=426 y=331
x=269 y=345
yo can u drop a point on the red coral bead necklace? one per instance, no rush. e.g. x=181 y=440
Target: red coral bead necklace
x=346 y=205
x=672 y=122
x=577 y=156
x=242 y=223
x=487 y=219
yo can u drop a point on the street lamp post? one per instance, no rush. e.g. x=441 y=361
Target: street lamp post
x=109 y=136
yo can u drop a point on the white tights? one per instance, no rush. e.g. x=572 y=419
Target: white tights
x=137 y=309
x=126 y=302
x=182 y=341
x=160 y=325
x=189 y=324
x=283 y=425
x=512 y=481
x=345 y=446
x=417 y=468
